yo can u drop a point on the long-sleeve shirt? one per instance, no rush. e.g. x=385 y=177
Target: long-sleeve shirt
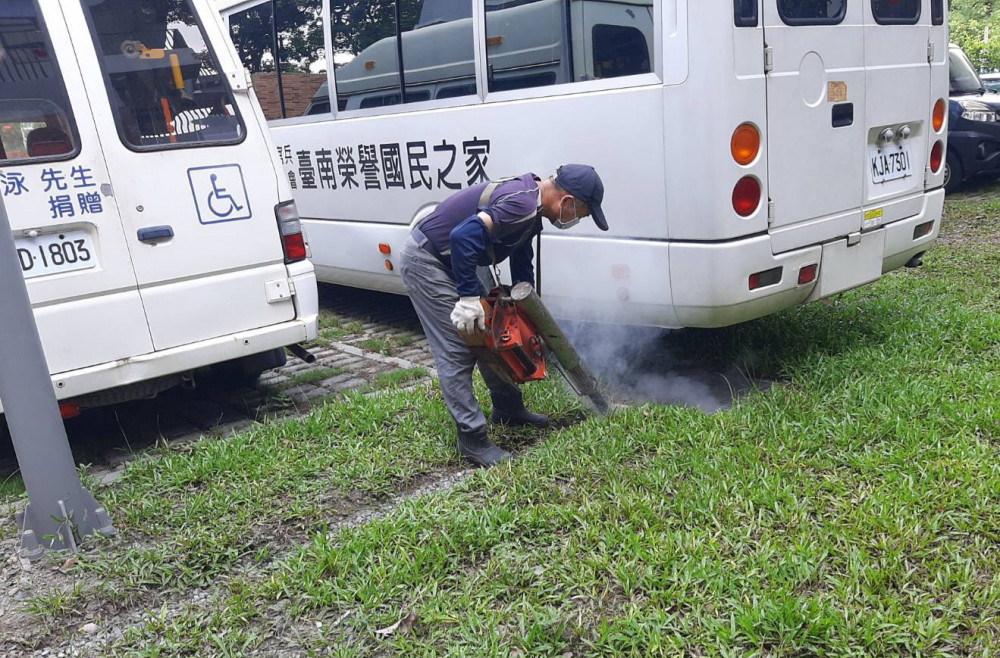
x=457 y=232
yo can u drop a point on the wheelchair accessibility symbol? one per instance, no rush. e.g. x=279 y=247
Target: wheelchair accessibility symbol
x=220 y=195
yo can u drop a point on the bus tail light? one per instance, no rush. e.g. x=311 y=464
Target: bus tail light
x=937 y=156
x=292 y=241
x=745 y=144
x=69 y=410
x=938 y=116
x=765 y=278
x=746 y=196
x=384 y=248
x=808 y=274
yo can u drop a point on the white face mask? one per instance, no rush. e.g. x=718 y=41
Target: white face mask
x=569 y=223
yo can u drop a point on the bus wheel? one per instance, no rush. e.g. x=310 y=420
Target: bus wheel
x=952 y=173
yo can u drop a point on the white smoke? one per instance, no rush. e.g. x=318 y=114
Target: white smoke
x=642 y=364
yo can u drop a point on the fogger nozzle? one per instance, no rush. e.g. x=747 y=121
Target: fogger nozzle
x=579 y=377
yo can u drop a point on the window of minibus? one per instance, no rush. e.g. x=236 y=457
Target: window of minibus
x=812 y=12
x=434 y=38
x=618 y=51
x=896 y=12
x=937 y=12
x=528 y=39
x=162 y=77
x=36 y=120
x=287 y=60
x=745 y=13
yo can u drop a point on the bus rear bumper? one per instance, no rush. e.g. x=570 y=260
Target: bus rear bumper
x=711 y=282
x=900 y=243
x=162 y=364
x=182 y=359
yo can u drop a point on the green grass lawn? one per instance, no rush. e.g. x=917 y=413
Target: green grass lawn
x=852 y=510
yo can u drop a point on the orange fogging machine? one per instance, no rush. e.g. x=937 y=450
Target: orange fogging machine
x=521 y=333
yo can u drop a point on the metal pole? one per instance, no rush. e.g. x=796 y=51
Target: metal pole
x=277 y=55
x=399 y=52
x=59 y=509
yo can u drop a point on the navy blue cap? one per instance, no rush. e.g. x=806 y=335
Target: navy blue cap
x=583 y=183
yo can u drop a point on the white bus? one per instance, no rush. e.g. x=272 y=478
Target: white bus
x=756 y=154
x=154 y=227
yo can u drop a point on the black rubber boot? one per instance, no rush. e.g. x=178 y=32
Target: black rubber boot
x=524 y=417
x=478 y=449
x=509 y=408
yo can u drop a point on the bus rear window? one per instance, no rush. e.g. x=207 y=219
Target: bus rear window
x=937 y=12
x=745 y=13
x=812 y=12
x=896 y=12
x=36 y=121
x=162 y=77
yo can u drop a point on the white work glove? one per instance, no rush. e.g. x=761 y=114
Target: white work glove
x=468 y=315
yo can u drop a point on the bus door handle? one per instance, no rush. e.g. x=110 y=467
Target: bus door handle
x=155 y=234
x=843 y=115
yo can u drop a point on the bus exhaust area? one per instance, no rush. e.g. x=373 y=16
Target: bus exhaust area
x=606 y=366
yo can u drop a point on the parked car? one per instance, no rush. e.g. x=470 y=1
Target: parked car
x=991 y=81
x=973 y=130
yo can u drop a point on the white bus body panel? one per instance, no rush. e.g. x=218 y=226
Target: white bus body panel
x=211 y=261
x=150 y=311
x=677 y=253
x=74 y=309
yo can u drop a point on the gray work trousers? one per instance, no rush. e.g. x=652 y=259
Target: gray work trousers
x=433 y=294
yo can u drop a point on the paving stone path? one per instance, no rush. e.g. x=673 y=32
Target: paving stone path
x=365 y=336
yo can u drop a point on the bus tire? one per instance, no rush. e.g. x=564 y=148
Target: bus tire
x=953 y=172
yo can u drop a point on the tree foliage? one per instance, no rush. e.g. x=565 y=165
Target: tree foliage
x=300 y=35
x=356 y=24
x=975 y=27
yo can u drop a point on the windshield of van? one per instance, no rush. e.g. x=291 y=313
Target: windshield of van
x=963 y=78
x=36 y=122
x=162 y=76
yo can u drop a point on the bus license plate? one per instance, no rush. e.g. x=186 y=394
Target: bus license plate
x=890 y=162
x=55 y=252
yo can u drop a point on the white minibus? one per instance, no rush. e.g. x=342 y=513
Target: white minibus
x=756 y=154
x=153 y=224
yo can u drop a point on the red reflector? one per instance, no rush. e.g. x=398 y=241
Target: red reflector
x=746 y=196
x=388 y=264
x=69 y=410
x=937 y=156
x=808 y=274
x=384 y=248
x=295 y=247
x=920 y=230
